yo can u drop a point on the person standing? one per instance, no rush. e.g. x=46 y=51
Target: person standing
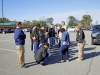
x=31 y=30
x=35 y=37
x=63 y=25
x=65 y=42
x=19 y=38
x=56 y=35
x=51 y=36
x=46 y=34
x=80 y=38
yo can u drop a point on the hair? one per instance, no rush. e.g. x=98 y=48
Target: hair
x=35 y=32
x=46 y=29
x=63 y=22
x=38 y=25
x=79 y=27
x=18 y=23
x=47 y=44
x=62 y=30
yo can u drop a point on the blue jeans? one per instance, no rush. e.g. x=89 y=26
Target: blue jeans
x=64 y=48
x=47 y=40
x=41 y=45
x=35 y=47
x=46 y=58
x=52 y=41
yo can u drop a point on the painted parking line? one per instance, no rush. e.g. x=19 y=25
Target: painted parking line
x=6 y=40
x=12 y=41
x=7 y=50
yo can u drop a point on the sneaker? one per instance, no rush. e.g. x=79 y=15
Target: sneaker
x=67 y=60
x=61 y=61
x=42 y=63
x=79 y=59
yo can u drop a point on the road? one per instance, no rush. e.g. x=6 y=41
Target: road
x=89 y=66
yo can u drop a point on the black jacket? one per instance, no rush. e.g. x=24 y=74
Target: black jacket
x=41 y=54
x=51 y=32
x=80 y=36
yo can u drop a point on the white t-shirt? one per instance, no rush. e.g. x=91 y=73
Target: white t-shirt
x=64 y=27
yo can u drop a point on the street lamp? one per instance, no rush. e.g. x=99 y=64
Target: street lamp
x=2 y=16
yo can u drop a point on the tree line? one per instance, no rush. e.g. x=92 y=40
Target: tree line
x=86 y=21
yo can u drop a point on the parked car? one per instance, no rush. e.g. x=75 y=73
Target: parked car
x=95 y=35
x=26 y=29
x=72 y=29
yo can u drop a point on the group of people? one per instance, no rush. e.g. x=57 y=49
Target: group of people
x=43 y=40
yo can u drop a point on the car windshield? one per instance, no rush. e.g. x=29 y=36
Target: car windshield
x=96 y=27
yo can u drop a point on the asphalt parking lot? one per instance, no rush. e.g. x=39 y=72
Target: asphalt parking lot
x=89 y=66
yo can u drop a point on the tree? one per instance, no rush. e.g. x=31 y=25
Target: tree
x=86 y=20
x=42 y=23
x=4 y=20
x=34 y=22
x=72 y=21
x=49 y=20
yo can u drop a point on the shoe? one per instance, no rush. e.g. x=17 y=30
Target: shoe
x=22 y=66
x=67 y=60
x=79 y=59
x=61 y=61
x=42 y=63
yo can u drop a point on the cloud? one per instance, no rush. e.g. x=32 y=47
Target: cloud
x=95 y=14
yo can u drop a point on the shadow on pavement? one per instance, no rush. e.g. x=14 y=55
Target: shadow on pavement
x=27 y=65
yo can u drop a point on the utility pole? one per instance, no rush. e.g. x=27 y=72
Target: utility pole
x=3 y=17
x=87 y=17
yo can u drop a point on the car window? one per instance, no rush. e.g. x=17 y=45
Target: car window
x=96 y=27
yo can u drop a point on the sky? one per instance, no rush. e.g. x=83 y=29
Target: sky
x=21 y=10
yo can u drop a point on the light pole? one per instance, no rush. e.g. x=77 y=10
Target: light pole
x=87 y=17
x=3 y=16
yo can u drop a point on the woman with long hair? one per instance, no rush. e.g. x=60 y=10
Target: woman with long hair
x=35 y=37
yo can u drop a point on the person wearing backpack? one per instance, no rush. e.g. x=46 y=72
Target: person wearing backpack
x=65 y=42
x=35 y=37
x=80 y=38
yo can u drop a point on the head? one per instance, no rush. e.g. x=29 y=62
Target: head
x=79 y=27
x=55 y=26
x=38 y=26
x=62 y=23
x=43 y=27
x=51 y=26
x=19 y=25
x=46 y=45
x=62 y=30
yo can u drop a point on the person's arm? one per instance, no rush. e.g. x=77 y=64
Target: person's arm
x=77 y=35
x=63 y=37
x=22 y=34
x=44 y=53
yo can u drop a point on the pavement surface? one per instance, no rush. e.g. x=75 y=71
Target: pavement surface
x=89 y=66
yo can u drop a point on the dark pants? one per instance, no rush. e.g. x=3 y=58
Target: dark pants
x=64 y=51
x=31 y=44
x=59 y=42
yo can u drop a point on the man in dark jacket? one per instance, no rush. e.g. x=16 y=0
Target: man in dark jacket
x=80 y=38
x=42 y=54
x=19 y=38
x=51 y=36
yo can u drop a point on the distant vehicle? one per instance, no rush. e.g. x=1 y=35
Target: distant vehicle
x=26 y=29
x=0 y=31
x=95 y=35
x=72 y=29
x=91 y=28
